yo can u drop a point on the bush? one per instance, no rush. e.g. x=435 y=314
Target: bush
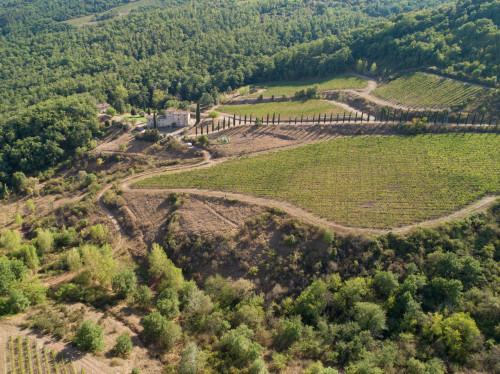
x=203 y=140
x=123 y=346
x=328 y=237
x=143 y=298
x=17 y=301
x=90 y=337
x=152 y=135
x=192 y=359
x=168 y=303
x=213 y=114
x=124 y=283
x=159 y=329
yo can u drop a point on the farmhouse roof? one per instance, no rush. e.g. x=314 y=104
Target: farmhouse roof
x=103 y=105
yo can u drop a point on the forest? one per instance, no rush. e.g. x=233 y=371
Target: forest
x=186 y=50
x=425 y=302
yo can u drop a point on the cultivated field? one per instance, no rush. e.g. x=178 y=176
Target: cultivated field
x=425 y=90
x=24 y=355
x=380 y=182
x=286 y=109
x=290 y=87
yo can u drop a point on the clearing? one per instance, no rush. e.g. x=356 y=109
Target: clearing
x=426 y=90
x=119 y=11
x=286 y=109
x=378 y=182
x=290 y=87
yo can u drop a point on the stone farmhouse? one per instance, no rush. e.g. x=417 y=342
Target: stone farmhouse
x=172 y=117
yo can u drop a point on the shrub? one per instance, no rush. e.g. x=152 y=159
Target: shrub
x=203 y=140
x=17 y=301
x=124 y=283
x=213 y=114
x=159 y=329
x=328 y=237
x=370 y=316
x=90 y=337
x=143 y=298
x=192 y=359
x=152 y=135
x=123 y=346
x=237 y=346
x=168 y=303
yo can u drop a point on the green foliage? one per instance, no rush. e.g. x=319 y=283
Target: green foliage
x=44 y=241
x=90 y=337
x=10 y=271
x=52 y=130
x=124 y=283
x=17 y=301
x=192 y=359
x=143 y=298
x=385 y=283
x=168 y=303
x=123 y=346
x=100 y=262
x=203 y=140
x=370 y=316
x=10 y=240
x=162 y=268
x=458 y=332
x=237 y=345
x=159 y=329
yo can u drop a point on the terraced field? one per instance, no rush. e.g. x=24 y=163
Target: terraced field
x=290 y=87
x=380 y=182
x=286 y=109
x=425 y=90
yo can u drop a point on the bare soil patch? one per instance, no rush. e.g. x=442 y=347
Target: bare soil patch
x=199 y=215
x=248 y=139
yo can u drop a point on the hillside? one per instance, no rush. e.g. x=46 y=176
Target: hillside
x=249 y=187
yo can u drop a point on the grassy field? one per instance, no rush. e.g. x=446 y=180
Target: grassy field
x=122 y=10
x=419 y=89
x=290 y=87
x=381 y=182
x=285 y=109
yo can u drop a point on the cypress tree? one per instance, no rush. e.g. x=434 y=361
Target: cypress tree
x=212 y=125
x=154 y=120
x=198 y=114
x=368 y=120
x=267 y=121
x=274 y=117
x=224 y=123
x=279 y=117
x=245 y=119
x=196 y=129
x=234 y=119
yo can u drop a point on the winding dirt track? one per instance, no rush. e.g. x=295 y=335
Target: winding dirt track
x=291 y=209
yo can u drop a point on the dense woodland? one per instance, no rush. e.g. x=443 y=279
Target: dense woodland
x=189 y=49
x=426 y=302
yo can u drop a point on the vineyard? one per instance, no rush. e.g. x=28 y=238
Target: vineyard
x=290 y=87
x=427 y=90
x=381 y=182
x=286 y=109
x=25 y=356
